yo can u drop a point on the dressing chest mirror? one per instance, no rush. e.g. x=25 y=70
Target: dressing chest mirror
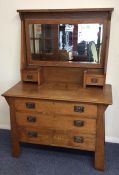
x=62 y=96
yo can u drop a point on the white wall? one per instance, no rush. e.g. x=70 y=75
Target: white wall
x=10 y=52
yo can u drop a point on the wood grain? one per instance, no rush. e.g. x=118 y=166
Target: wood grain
x=47 y=107
x=65 y=92
x=100 y=139
x=55 y=109
x=65 y=10
x=56 y=122
x=14 y=133
x=57 y=138
x=30 y=75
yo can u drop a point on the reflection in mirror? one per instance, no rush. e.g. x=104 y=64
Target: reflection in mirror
x=66 y=42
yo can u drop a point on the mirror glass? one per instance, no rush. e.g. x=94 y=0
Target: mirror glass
x=66 y=42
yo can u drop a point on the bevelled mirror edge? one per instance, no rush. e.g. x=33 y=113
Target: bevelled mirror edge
x=31 y=62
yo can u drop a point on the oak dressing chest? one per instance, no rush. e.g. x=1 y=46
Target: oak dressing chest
x=62 y=96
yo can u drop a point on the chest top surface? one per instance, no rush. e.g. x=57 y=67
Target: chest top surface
x=63 y=93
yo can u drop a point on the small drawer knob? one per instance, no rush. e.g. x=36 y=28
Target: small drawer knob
x=94 y=80
x=30 y=105
x=31 y=119
x=78 y=139
x=29 y=77
x=78 y=109
x=32 y=134
x=78 y=123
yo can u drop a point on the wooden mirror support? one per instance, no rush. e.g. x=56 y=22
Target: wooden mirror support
x=68 y=50
x=62 y=96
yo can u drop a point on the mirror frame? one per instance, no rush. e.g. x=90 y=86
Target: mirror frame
x=38 y=63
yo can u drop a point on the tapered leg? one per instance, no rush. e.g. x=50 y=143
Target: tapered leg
x=100 y=139
x=14 y=134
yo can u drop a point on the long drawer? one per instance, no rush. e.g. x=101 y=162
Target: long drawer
x=61 y=138
x=56 y=107
x=57 y=122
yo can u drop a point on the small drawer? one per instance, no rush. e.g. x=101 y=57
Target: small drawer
x=74 y=140
x=30 y=76
x=93 y=80
x=35 y=135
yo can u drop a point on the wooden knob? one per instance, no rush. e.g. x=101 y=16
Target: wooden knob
x=94 y=80
x=29 y=77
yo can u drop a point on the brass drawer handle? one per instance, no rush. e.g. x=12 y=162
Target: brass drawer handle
x=30 y=105
x=78 y=123
x=29 y=77
x=94 y=80
x=31 y=119
x=78 y=109
x=78 y=139
x=32 y=134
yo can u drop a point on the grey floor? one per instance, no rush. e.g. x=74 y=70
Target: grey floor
x=43 y=160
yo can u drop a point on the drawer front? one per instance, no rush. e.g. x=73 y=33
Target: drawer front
x=31 y=76
x=33 y=105
x=35 y=135
x=34 y=119
x=57 y=122
x=75 y=123
x=66 y=108
x=93 y=80
x=76 y=109
x=73 y=139
x=61 y=138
